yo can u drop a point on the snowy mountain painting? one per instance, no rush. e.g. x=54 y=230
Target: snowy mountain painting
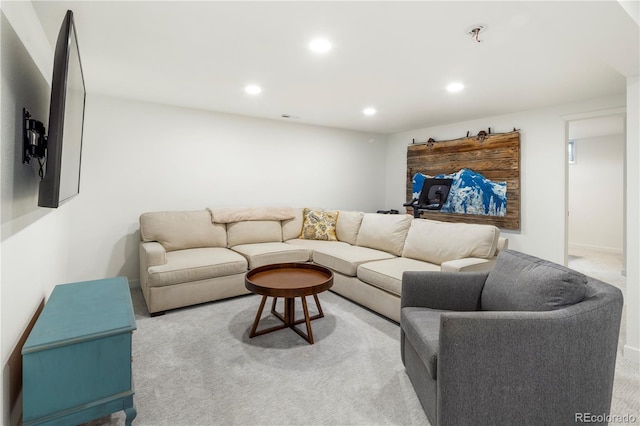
x=470 y=193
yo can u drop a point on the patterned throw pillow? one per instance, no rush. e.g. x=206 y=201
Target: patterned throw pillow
x=319 y=225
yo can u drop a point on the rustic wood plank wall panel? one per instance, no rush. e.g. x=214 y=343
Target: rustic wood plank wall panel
x=497 y=157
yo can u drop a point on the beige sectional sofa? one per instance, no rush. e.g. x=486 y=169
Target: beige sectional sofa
x=193 y=257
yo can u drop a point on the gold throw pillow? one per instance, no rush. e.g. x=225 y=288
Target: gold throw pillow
x=319 y=225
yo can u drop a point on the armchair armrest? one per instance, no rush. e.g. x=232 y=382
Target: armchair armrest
x=152 y=254
x=468 y=264
x=442 y=290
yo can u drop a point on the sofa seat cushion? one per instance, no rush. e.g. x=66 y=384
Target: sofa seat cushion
x=315 y=244
x=421 y=327
x=438 y=242
x=387 y=274
x=196 y=264
x=346 y=259
x=519 y=282
x=261 y=254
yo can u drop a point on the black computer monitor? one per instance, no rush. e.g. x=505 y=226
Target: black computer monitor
x=434 y=193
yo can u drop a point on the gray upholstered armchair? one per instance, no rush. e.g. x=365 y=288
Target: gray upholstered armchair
x=530 y=342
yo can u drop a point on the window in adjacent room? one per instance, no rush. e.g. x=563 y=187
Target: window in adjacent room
x=572 y=151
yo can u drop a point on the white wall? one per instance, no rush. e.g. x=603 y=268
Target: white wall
x=632 y=296
x=34 y=243
x=542 y=169
x=596 y=193
x=140 y=157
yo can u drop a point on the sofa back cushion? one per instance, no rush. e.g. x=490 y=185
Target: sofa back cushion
x=241 y=214
x=520 y=282
x=437 y=242
x=254 y=231
x=348 y=226
x=385 y=232
x=291 y=228
x=182 y=230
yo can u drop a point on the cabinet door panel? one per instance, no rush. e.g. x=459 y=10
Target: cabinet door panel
x=74 y=375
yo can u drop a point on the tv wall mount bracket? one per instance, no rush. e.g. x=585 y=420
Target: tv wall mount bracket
x=34 y=140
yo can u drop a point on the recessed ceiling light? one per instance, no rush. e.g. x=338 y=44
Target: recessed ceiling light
x=253 y=89
x=369 y=111
x=320 y=45
x=455 y=87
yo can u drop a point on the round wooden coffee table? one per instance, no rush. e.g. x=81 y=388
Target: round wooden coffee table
x=288 y=280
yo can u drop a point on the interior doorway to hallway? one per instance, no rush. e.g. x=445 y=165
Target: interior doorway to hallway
x=596 y=196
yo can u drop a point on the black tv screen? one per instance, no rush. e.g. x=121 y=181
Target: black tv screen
x=61 y=180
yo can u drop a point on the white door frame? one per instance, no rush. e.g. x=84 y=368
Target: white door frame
x=621 y=111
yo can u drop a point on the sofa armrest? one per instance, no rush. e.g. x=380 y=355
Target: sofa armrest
x=152 y=254
x=468 y=264
x=442 y=290
x=503 y=244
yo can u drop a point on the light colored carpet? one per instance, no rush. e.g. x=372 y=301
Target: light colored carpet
x=197 y=366
x=603 y=265
x=607 y=266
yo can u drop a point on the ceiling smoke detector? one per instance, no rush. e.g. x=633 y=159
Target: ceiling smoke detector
x=474 y=31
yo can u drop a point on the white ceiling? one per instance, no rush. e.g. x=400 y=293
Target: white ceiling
x=395 y=56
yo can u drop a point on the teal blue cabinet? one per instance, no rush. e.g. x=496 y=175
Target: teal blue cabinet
x=76 y=361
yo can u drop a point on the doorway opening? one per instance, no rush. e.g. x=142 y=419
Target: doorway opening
x=596 y=229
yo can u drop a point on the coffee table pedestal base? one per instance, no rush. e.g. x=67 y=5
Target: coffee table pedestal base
x=289 y=317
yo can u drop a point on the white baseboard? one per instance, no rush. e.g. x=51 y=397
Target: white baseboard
x=632 y=354
x=578 y=246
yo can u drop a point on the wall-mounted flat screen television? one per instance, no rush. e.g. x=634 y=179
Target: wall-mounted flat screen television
x=61 y=180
